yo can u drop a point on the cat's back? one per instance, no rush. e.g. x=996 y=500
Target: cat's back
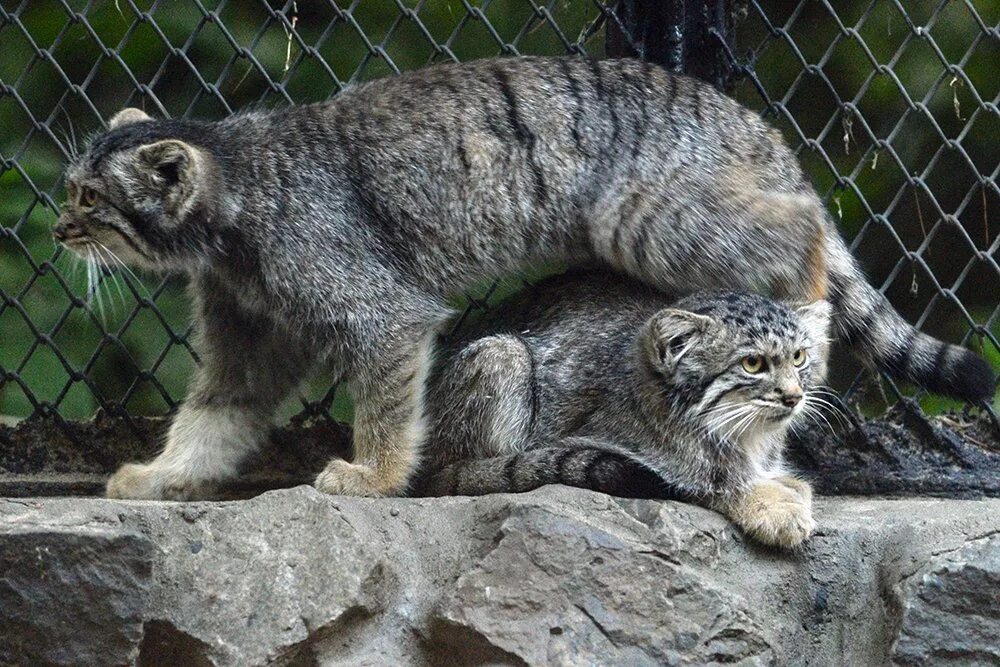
x=595 y=109
x=580 y=329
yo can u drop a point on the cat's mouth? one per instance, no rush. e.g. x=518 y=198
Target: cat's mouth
x=775 y=412
x=76 y=242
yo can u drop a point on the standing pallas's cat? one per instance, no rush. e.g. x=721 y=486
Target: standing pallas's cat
x=333 y=232
x=600 y=382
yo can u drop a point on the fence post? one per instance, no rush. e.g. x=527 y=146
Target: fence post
x=688 y=36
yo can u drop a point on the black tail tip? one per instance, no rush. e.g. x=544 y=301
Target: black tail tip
x=969 y=378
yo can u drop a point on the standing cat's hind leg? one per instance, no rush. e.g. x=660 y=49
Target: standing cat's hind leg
x=389 y=420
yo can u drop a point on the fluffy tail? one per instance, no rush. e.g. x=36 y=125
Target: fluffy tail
x=883 y=339
x=594 y=469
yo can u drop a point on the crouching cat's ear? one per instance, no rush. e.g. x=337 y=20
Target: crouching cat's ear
x=815 y=318
x=671 y=333
x=178 y=170
x=127 y=116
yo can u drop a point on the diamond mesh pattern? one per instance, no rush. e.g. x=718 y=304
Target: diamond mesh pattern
x=893 y=109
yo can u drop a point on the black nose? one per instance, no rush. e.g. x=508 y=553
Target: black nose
x=791 y=400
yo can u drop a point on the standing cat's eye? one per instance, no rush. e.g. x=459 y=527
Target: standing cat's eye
x=752 y=363
x=799 y=357
x=88 y=197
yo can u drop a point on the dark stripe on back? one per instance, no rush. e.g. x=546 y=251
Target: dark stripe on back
x=642 y=240
x=574 y=91
x=639 y=131
x=523 y=134
x=609 y=100
x=395 y=247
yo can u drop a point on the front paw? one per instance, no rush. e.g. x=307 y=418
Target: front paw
x=801 y=487
x=785 y=524
x=341 y=478
x=135 y=481
x=775 y=513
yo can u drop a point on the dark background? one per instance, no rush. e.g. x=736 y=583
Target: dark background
x=893 y=108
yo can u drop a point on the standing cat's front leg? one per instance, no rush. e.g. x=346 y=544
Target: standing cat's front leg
x=389 y=419
x=247 y=368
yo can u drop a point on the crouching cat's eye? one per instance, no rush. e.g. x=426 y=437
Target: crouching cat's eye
x=799 y=357
x=752 y=363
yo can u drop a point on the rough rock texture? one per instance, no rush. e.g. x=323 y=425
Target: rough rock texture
x=72 y=593
x=556 y=576
x=951 y=613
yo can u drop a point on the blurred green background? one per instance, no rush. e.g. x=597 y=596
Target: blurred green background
x=63 y=72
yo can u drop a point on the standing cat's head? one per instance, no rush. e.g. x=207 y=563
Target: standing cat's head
x=146 y=191
x=744 y=364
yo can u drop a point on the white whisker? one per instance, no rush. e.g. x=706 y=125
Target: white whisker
x=127 y=269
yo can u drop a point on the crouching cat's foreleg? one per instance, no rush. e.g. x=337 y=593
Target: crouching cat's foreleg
x=776 y=511
x=246 y=369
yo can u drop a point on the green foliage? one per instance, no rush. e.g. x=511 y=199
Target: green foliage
x=234 y=56
x=174 y=59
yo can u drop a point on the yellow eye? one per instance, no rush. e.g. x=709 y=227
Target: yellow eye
x=88 y=197
x=752 y=363
x=799 y=357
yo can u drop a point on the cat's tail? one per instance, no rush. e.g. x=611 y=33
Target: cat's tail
x=876 y=332
x=587 y=468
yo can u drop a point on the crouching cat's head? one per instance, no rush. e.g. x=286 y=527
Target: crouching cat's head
x=145 y=192
x=739 y=363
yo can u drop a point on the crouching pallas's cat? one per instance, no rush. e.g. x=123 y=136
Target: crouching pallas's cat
x=332 y=233
x=603 y=383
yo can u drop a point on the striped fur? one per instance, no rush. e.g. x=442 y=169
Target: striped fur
x=594 y=469
x=341 y=228
x=596 y=382
x=870 y=325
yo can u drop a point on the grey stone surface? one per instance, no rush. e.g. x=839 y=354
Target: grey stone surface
x=72 y=594
x=557 y=576
x=951 y=609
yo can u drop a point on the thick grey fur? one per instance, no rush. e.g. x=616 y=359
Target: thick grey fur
x=332 y=233
x=587 y=379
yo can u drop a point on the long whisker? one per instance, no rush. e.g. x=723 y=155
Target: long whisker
x=716 y=421
x=821 y=404
x=745 y=423
x=737 y=415
x=74 y=149
x=114 y=275
x=93 y=291
x=812 y=412
x=127 y=270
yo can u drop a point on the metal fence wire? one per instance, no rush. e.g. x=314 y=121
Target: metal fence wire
x=892 y=108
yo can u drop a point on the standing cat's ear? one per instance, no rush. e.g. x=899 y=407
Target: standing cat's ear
x=179 y=169
x=127 y=116
x=670 y=333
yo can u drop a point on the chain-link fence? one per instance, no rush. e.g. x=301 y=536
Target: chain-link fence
x=892 y=109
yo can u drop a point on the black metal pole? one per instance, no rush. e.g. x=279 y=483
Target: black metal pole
x=687 y=36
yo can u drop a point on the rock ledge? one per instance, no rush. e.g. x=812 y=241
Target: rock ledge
x=556 y=576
